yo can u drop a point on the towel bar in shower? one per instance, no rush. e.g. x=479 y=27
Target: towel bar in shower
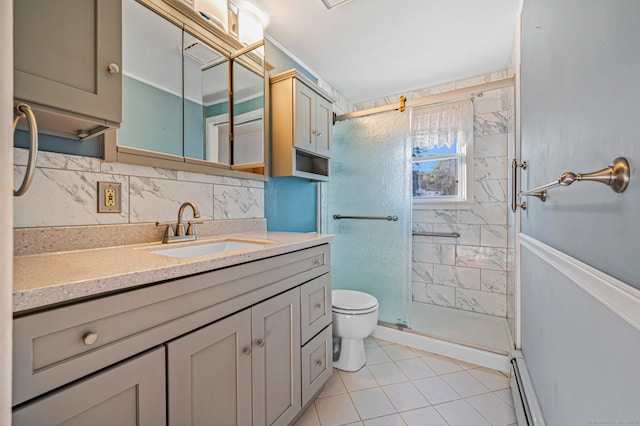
x=389 y=218
x=616 y=176
x=437 y=234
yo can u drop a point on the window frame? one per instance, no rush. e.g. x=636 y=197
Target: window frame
x=465 y=198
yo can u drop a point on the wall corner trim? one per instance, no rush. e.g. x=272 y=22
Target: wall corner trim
x=616 y=295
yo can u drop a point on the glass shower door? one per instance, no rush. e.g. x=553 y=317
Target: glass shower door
x=370 y=176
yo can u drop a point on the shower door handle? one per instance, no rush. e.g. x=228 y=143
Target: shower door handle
x=514 y=185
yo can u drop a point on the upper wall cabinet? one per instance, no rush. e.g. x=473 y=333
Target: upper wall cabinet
x=177 y=95
x=67 y=61
x=301 y=127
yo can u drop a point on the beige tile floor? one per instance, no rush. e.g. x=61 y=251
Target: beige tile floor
x=404 y=386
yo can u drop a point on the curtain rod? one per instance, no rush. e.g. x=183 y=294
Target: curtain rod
x=432 y=99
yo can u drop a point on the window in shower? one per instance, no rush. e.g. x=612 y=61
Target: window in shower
x=437 y=175
x=441 y=138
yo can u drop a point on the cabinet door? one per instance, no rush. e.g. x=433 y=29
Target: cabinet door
x=324 y=125
x=62 y=53
x=209 y=374
x=276 y=359
x=304 y=99
x=131 y=393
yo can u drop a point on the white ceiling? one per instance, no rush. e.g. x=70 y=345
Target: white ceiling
x=367 y=49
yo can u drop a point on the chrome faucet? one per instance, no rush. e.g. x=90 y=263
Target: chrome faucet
x=180 y=235
x=180 y=225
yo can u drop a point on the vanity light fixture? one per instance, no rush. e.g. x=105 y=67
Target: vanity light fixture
x=330 y=4
x=214 y=10
x=251 y=23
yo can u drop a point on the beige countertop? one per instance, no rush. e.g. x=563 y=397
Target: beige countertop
x=51 y=278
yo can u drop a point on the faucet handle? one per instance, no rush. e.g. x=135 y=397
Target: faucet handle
x=168 y=233
x=191 y=230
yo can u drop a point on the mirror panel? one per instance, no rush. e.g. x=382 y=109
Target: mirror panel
x=206 y=102
x=151 y=81
x=177 y=109
x=248 y=109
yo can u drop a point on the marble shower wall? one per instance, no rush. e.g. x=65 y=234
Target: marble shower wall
x=65 y=188
x=470 y=272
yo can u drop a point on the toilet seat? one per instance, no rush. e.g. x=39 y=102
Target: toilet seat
x=352 y=302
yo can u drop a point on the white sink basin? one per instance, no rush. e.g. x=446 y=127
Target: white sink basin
x=210 y=248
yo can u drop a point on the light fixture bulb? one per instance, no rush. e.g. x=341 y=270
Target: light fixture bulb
x=214 y=10
x=251 y=23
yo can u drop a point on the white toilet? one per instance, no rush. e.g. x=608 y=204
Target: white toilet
x=355 y=315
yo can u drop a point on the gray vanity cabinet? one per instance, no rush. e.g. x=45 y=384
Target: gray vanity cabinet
x=275 y=329
x=131 y=393
x=209 y=374
x=242 y=370
x=67 y=56
x=235 y=341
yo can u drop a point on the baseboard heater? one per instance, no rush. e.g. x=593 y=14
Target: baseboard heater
x=524 y=397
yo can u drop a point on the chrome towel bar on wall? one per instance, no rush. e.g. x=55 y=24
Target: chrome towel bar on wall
x=437 y=234
x=24 y=110
x=617 y=176
x=389 y=218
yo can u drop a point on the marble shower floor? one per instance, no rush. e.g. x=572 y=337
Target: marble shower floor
x=468 y=328
x=405 y=386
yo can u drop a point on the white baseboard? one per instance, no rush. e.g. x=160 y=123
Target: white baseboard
x=441 y=347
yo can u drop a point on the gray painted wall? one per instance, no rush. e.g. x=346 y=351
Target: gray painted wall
x=579 y=95
x=582 y=358
x=580 y=91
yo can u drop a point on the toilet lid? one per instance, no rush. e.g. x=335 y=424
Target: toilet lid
x=352 y=300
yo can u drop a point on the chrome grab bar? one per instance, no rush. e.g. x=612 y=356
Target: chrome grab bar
x=24 y=110
x=437 y=234
x=389 y=218
x=616 y=176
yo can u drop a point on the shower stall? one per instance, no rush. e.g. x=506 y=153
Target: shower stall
x=444 y=271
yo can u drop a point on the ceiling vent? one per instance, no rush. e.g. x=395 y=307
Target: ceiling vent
x=330 y=4
x=201 y=53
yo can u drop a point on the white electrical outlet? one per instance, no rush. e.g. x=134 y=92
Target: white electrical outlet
x=109 y=197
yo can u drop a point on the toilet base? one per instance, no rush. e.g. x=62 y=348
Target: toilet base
x=352 y=355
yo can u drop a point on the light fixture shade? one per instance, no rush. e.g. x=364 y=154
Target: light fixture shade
x=330 y=4
x=214 y=10
x=251 y=23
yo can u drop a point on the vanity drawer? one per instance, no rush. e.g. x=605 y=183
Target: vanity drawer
x=54 y=347
x=315 y=306
x=317 y=363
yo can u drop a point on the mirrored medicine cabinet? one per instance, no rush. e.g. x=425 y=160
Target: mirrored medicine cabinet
x=192 y=99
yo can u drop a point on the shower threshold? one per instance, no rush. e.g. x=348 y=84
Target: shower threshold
x=471 y=329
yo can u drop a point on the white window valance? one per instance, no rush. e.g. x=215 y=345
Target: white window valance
x=442 y=124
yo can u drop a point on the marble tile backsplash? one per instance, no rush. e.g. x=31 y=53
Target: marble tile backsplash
x=64 y=193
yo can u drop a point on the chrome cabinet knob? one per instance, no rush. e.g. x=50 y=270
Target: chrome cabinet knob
x=246 y=350
x=113 y=68
x=316 y=262
x=318 y=363
x=317 y=306
x=89 y=338
x=260 y=343
x=318 y=133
